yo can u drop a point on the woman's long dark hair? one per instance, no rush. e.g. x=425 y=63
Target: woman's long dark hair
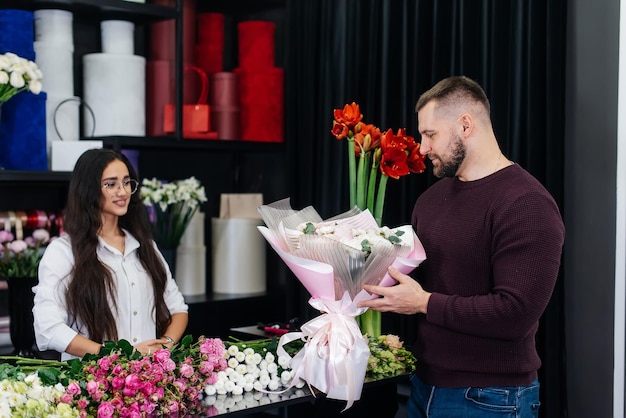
x=92 y=285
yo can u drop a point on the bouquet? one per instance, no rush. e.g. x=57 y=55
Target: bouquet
x=16 y=75
x=20 y=258
x=380 y=156
x=121 y=382
x=171 y=206
x=325 y=258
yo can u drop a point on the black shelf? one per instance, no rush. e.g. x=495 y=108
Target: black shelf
x=35 y=177
x=171 y=143
x=100 y=9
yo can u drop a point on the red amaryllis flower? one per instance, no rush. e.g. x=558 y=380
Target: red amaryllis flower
x=398 y=141
x=350 y=115
x=367 y=139
x=393 y=163
x=415 y=160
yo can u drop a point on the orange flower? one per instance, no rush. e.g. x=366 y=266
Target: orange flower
x=347 y=121
x=350 y=115
x=367 y=139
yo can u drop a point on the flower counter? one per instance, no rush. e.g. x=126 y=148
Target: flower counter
x=203 y=378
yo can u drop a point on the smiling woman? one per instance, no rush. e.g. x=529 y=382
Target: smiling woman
x=105 y=279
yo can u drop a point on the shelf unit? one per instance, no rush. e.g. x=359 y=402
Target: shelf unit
x=102 y=9
x=231 y=166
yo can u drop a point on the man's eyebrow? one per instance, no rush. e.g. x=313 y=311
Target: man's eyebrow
x=427 y=131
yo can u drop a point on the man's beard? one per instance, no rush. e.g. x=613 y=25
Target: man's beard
x=450 y=167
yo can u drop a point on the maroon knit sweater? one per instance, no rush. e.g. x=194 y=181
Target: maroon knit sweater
x=493 y=249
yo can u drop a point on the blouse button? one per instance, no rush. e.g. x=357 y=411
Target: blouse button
x=134 y=340
x=135 y=313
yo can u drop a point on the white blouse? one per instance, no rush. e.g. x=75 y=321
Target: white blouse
x=135 y=317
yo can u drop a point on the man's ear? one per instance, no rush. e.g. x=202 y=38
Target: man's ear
x=467 y=124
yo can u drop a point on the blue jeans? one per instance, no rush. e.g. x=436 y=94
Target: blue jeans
x=428 y=401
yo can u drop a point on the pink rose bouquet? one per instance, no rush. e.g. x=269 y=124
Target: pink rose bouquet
x=120 y=382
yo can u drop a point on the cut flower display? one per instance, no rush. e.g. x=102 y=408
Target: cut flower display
x=121 y=382
x=21 y=257
x=18 y=74
x=171 y=206
x=374 y=157
x=322 y=255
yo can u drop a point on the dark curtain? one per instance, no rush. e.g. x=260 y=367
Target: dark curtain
x=383 y=54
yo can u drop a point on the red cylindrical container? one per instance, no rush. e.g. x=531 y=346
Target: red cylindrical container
x=210 y=30
x=262 y=100
x=256 y=44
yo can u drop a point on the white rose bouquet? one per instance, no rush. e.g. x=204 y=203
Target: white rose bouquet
x=333 y=259
x=18 y=74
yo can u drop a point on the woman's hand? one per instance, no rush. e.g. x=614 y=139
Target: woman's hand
x=149 y=347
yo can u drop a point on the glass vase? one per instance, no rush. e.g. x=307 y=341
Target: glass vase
x=21 y=300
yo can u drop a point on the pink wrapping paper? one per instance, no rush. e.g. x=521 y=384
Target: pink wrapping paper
x=335 y=354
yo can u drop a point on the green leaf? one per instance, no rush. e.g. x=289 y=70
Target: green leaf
x=309 y=228
x=49 y=376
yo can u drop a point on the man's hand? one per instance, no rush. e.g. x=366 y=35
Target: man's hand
x=407 y=297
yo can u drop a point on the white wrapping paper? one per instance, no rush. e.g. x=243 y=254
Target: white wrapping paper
x=334 y=358
x=114 y=87
x=238 y=256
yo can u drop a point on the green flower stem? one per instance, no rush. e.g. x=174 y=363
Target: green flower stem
x=371 y=188
x=352 y=172
x=361 y=189
x=370 y=323
x=380 y=199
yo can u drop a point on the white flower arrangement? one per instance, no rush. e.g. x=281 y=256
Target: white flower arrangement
x=172 y=205
x=25 y=395
x=358 y=238
x=255 y=375
x=18 y=74
x=250 y=370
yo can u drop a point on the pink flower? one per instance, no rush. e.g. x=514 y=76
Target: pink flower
x=73 y=389
x=92 y=386
x=169 y=365
x=5 y=236
x=18 y=246
x=205 y=367
x=41 y=235
x=161 y=355
x=117 y=383
x=105 y=410
x=67 y=398
x=174 y=407
x=186 y=370
x=105 y=363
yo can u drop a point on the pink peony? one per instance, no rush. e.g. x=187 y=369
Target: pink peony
x=5 y=236
x=105 y=410
x=186 y=370
x=18 y=246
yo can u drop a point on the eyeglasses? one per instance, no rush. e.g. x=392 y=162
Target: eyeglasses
x=113 y=186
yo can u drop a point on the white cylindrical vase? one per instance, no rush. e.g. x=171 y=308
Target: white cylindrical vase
x=190 y=273
x=238 y=256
